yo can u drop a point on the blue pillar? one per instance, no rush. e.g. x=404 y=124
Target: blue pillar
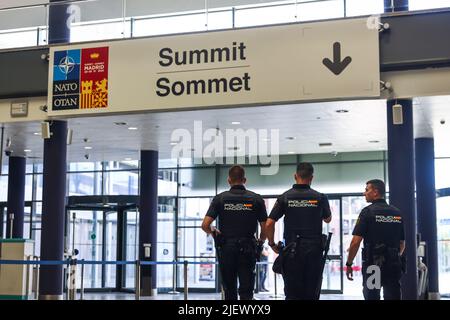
x=396 y=5
x=16 y=196
x=401 y=187
x=148 y=211
x=53 y=211
x=58 y=30
x=426 y=208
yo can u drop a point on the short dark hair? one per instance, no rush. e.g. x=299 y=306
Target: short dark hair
x=379 y=185
x=236 y=174
x=305 y=170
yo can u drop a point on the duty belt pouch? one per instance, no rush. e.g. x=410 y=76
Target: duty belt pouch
x=379 y=254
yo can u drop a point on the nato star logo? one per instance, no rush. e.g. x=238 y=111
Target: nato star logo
x=66 y=65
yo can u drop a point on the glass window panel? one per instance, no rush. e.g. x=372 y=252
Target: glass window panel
x=443 y=221
x=351 y=208
x=4 y=188
x=26 y=223
x=345 y=177
x=111 y=249
x=18 y=38
x=201 y=275
x=197 y=182
x=84 y=166
x=100 y=30
x=262 y=184
x=83 y=183
x=167 y=182
x=159 y=7
x=169 y=25
x=36 y=232
x=428 y=4
x=220 y=20
x=442 y=173
x=121 y=183
x=39 y=181
x=265 y=15
x=29 y=168
x=320 y=10
x=88 y=240
x=366 y=7
x=28 y=187
x=166 y=241
x=192 y=211
x=121 y=165
x=131 y=246
x=167 y=163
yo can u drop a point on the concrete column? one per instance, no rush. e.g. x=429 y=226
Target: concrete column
x=58 y=29
x=53 y=211
x=401 y=186
x=16 y=196
x=426 y=209
x=148 y=211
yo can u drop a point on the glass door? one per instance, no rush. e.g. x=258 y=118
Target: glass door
x=85 y=233
x=333 y=272
x=351 y=207
x=195 y=246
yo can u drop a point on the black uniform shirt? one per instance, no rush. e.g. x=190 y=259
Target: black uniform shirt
x=239 y=211
x=304 y=209
x=380 y=223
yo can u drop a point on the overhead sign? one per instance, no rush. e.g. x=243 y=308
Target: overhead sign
x=279 y=64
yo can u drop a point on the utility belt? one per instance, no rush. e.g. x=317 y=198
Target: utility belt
x=313 y=240
x=289 y=250
x=246 y=245
x=379 y=254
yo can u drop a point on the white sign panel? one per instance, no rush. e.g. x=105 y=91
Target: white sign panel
x=279 y=64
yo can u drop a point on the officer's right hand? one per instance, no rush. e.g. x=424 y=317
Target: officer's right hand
x=349 y=273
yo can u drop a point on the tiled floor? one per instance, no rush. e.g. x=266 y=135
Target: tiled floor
x=201 y=296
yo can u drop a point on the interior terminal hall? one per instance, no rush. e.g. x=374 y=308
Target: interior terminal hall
x=120 y=120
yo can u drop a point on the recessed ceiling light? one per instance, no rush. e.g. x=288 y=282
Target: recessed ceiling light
x=342 y=111
x=290 y=138
x=88 y=148
x=27 y=150
x=128 y=159
x=291 y=152
x=325 y=144
x=374 y=141
x=235 y=122
x=173 y=143
x=132 y=128
x=265 y=139
x=120 y=123
x=37 y=133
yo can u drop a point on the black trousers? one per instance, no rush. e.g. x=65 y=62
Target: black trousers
x=237 y=261
x=302 y=271
x=390 y=282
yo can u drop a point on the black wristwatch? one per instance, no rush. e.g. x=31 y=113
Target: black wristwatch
x=348 y=264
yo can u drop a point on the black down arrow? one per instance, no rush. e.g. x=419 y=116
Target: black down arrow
x=337 y=65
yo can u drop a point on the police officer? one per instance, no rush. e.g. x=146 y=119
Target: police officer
x=304 y=210
x=239 y=211
x=381 y=227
